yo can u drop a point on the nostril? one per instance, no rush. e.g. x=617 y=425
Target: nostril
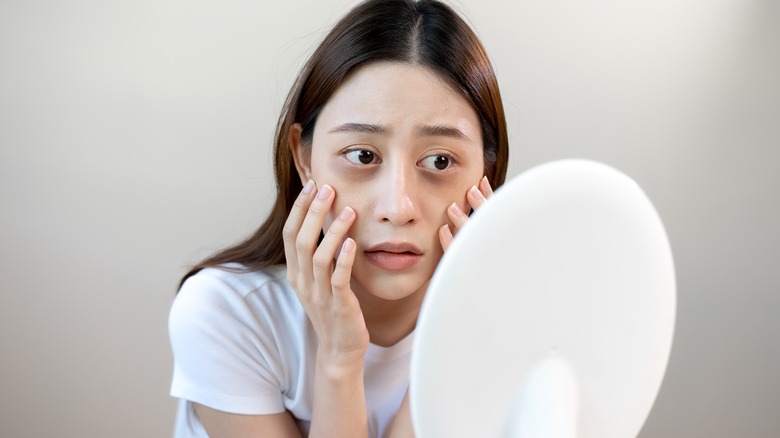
x=387 y=219
x=397 y=207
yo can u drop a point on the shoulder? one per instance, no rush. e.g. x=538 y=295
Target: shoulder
x=232 y=288
x=235 y=279
x=235 y=334
x=233 y=302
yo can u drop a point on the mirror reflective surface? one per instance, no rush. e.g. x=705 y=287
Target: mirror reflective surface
x=566 y=272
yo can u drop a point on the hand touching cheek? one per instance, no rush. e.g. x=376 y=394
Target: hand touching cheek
x=322 y=285
x=476 y=196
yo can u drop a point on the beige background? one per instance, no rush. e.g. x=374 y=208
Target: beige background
x=135 y=139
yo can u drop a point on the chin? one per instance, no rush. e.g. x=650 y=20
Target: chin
x=392 y=286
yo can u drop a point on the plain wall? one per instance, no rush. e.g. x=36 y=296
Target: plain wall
x=135 y=139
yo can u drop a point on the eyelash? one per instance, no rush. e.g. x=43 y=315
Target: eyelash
x=346 y=153
x=452 y=160
x=449 y=156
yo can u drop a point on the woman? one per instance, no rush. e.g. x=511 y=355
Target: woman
x=393 y=131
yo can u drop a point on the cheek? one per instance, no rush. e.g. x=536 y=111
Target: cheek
x=322 y=174
x=455 y=189
x=345 y=197
x=458 y=195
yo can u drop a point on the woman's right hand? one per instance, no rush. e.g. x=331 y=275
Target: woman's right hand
x=323 y=287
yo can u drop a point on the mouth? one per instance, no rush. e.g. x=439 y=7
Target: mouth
x=394 y=256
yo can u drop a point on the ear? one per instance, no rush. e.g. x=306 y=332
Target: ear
x=301 y=154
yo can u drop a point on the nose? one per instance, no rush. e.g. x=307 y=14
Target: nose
x=397 y=202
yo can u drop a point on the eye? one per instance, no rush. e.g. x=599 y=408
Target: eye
x=437 y=162
x=360 y=156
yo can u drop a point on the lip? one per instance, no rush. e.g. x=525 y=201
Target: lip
x=394 y=256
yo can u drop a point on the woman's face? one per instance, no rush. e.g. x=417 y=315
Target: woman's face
x=398 y=145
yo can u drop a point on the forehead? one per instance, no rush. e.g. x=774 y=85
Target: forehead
x=398 y=95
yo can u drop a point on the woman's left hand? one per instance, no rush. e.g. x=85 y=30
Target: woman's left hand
x=476 y=196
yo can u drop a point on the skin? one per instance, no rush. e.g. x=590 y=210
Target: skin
x=395 y=162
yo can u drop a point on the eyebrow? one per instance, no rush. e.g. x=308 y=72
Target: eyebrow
x=442 y=131
x=424 y=131
x=365 y=128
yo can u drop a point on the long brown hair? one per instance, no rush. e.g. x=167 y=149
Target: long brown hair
x=424 y=32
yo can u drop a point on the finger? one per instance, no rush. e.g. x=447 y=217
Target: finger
x=343 y=271
x=484 y=187
x=293 y=225
x=327 y=250
x=475 y=197
x=309 y=234
x=445 y=236
x=456 y=215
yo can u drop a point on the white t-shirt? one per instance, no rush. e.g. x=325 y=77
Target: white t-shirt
x=243 y=344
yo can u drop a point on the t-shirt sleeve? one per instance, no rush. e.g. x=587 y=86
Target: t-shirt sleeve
x=224 y=357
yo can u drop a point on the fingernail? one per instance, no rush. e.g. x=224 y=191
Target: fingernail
x=325 y=192
x=475 y=192
x=485 y=181
x=348 y=245
x=455 y=209
x=308 y=187
x=447 y=231
x=346 y=213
